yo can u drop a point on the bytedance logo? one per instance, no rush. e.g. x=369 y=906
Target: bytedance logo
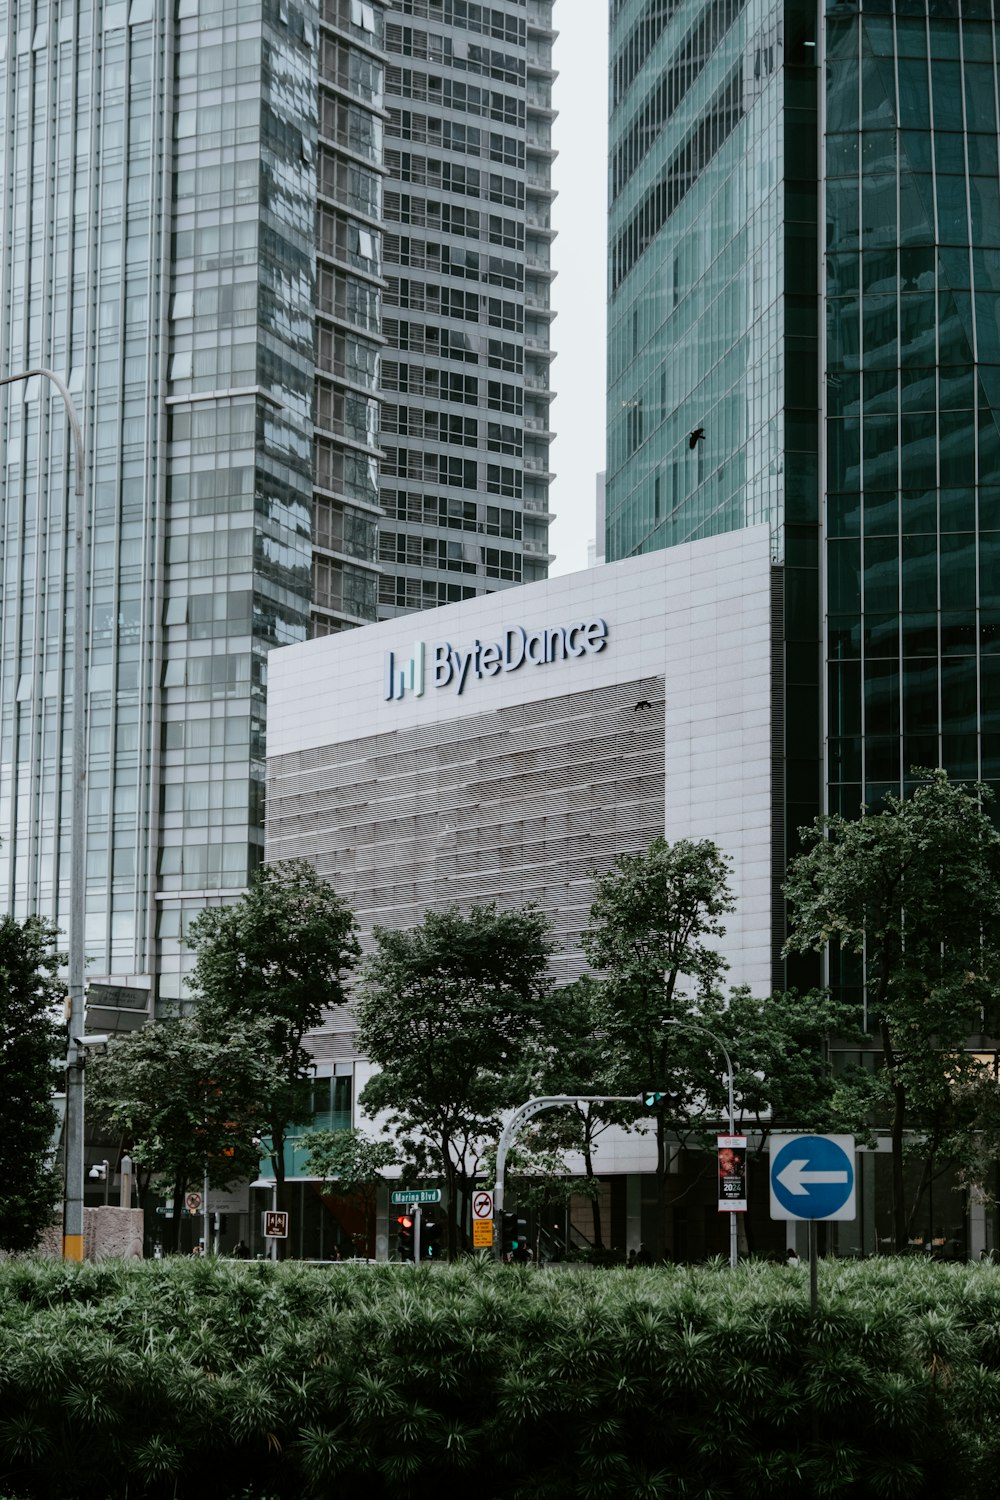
x=401 y=680
x=517 y=646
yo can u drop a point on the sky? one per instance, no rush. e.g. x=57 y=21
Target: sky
x=579 y=292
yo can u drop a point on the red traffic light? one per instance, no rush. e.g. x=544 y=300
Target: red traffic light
x=404 y=1221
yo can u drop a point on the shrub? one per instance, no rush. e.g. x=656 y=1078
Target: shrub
x=260 y=1382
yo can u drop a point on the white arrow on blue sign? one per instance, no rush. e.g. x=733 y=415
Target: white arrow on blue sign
x=812 y=1177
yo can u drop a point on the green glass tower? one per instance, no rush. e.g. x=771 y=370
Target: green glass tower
x=805 y=330
x=713 y=330
x=912 y=395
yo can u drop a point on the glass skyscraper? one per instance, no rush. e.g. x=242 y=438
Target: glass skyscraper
x=912 y=395
x=465 y=371
x=805 y=329
x=713 y=325
x=190 y=233
x=348 y=313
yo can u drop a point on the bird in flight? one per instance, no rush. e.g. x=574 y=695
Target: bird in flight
x=696 y=437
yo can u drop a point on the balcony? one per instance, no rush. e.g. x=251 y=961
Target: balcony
x=540 y=21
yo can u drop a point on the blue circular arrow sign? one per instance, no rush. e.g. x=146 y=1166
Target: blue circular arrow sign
x=812 y=1176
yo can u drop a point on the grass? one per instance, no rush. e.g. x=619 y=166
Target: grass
x=261 y=1382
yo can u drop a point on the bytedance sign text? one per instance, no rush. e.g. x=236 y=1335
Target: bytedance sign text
x=450 y=666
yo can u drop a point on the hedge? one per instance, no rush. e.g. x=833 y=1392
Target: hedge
x=258 y=1381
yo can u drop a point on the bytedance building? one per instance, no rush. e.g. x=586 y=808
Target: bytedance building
x=530 y=736
x=509 y=747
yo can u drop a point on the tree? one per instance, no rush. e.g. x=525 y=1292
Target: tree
x=351 y=1163
x=187 y=1105
x=30 y=1042
x=782 y=1066
x=575 y=1059
x=450 y=1011
x=652 y=929
x=279 y=957
x=913 y=893
x=784 y=1076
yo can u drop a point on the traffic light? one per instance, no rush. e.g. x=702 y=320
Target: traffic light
x=405 y=1228
x=660 y=1098
x=514 y=1236
x=430 y=1240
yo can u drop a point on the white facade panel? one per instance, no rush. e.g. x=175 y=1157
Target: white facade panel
x=696 y=617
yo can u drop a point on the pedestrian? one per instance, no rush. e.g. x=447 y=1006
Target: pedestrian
x=630 y=1263
x=792 y=1257
x=643 y=1258
x=241 y=1250
x=196 y=1250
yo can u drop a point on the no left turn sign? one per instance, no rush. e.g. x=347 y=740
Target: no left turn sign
x=482 y=1206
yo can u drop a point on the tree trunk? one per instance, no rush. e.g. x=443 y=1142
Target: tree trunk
x=451 y=1185
x=466 y=1212
x=595 y=1205
x=925 y=1177
x=899 y=1234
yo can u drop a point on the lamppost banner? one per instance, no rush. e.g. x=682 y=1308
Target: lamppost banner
x=732 y=1174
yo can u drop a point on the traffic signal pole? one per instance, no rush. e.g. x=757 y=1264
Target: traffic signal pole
x=697 y=1026
x=521 y=1116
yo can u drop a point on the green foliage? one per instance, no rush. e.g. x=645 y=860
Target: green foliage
x=281 y=953
x=277 y=959
x=350 y=1163
x=784 y=1080
x=653 y=930
x=912 y=895
x=575 y=1058
x=348 y=1159
x=653 y=912
x=30 y=1041
x=261 y=1382
x=185 y=1103
x=452 y=1011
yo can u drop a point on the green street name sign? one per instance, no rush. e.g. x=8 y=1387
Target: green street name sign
x=417 y=1195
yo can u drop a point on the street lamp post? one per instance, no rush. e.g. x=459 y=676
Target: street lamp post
x=521 y=1116
x=73 y=1128
x=697 y=1026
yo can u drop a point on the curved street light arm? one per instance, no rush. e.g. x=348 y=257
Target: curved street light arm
x=521 y=1116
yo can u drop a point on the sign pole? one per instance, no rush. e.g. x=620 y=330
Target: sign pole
x=416 y=1234
x=813 y=1181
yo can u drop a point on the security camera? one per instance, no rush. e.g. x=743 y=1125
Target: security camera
x=98 y=1172
x=96 y=1039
